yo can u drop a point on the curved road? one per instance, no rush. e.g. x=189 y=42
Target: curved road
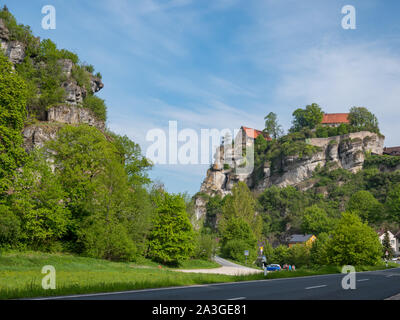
x=372 y=285
x=227 y=268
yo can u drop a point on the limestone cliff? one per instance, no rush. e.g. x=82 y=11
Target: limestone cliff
x=346 y=151
x=70 y=111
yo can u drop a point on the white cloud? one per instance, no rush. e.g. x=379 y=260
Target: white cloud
x=341 y=76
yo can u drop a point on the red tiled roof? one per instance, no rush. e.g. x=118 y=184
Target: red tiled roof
x=253 y=133
x=335 y=118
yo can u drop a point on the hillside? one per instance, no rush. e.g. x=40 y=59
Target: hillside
x=68 y=183
x=306 y=174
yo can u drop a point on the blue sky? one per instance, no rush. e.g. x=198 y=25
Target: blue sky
x=226 y=63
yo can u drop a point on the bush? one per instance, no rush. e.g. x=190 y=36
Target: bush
x=319 y=250
x=281 y=255
x=299 y=255
x=107 y=240
x=172 y=238
x=236 y=238
x=97 y=106
x=205 y=247
x=82 y=77
x=354 y=243
x=235 y=248
x=10 y=227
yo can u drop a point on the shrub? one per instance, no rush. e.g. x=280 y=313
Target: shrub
x=354 y=243
x=82 y=77
x=235 y=248
x=97 y=106
x=107 y=240
x=205 y=246
x=236 y=238
x=172 y=238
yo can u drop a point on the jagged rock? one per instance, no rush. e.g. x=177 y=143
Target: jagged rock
x=96 y=84
x=66 y=65
x=14 y=50
x=346 y=151
x=4 y=33
x=35 y=136
x=74 y=93
x=74 y=115
x=200 y=207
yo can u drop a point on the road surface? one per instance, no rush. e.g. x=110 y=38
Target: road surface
x=227 y=267
x=373 y=285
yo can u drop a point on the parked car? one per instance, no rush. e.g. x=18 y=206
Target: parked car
x=274 y=267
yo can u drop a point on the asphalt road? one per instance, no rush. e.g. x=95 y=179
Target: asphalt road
x=374 y=285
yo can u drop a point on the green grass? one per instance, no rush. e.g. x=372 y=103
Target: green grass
x=21 y=277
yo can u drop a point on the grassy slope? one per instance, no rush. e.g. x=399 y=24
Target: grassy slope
x=21 y=277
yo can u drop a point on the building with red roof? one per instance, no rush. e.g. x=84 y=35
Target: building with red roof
x=335 y=119
x=248 y=135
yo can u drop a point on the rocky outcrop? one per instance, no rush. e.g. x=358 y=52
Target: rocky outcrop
x=74 y=93
x=96 y=84
x=14 y=50
x=74 y=115
x=35 y=136
x=346 y=151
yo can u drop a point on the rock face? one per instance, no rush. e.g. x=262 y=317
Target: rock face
x=75 y=94
x=346 y=151
x=35 y=136
x=14 y=50
x=74 y=115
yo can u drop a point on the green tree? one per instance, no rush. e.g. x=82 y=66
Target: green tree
x=354 y=243
x=366 y=206
x=10 y=227
x=205 y=246
x=39 y=201
x=13 y=97
x=319 y=250
x=309 y=117
x=80 y=155
x=236 y=238
x=387 y=246
x=241 y=204
x=172 y=238
x=136 y=165
x=315 y=221
x=299 y=255
x=393 y=203
x=272 y=127
x=214 y=209
x=362 y=118
x=281 y=255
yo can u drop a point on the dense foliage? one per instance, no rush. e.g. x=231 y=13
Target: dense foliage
x=13 y=95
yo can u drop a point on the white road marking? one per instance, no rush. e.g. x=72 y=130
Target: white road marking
x=362 y=280
x=316 y=287
x=240 y=298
